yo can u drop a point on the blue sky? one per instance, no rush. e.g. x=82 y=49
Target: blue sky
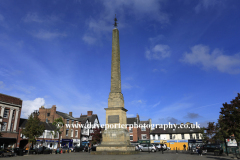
x=180 y=60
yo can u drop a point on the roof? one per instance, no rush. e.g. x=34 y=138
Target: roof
x=65 y=115
x=10 y=99
x=84 y=118
x=48 y=126
x=132 y=120
x=178 y=130
x=144 y=122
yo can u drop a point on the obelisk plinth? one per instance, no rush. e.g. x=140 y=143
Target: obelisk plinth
x=115 y=138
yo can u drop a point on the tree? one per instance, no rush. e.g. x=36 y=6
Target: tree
x=229 y=119
x=33 y=129
x=59 y=124
x=96 y=135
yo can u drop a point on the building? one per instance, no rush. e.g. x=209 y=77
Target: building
x=70 y=131
x=176 y=138
x=138 y=131
x=47 y=139
x=89 y=122
x=10 y=111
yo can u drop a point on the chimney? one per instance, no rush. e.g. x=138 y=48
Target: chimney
x=70 y=113
x=53 y=110
x=138 y=119
x=89 y=113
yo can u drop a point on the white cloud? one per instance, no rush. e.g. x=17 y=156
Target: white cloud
x=126 y=86
x=206 y=4
x=200 y=55
x=155 y=105
x=46 y=35
x=139 y=9
x=29 y=106
x=89 y=39
x=34 y=17
x=2 y=85
x=158 y=52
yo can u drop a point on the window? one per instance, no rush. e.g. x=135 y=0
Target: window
x=130 y=130
x=131 y=138
x=159 y=136
x=191 y=137
x=67 y=121
x=6 y=112
x=197 y=135
x=72 y=121
x=144 y=136
x=143 y=128
x=67 y=132
x=71 y=133
x=182 y=136
x=4 y=126
x=170 y=135
x=49 y=134
x=48 y=114
x=153 y=137
x=76 y=123
x=13 y=114
x=76 y=133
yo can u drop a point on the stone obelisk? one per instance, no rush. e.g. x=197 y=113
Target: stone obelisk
x=115 y=138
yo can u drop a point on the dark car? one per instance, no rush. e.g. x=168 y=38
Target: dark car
x=81 y=148
x=7 y=153
x=213 y=147
x=43 y=150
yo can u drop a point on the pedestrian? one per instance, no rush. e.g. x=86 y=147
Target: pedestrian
x=89 y=148
x=184 y=146
x=200 y=151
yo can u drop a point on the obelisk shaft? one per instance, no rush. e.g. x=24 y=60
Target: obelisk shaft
x=115 y=69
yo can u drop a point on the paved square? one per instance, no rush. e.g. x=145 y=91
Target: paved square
x=140 y=156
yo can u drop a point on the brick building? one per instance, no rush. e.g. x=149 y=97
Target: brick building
x=138 y=133
x=10 y=111
x=70 y=135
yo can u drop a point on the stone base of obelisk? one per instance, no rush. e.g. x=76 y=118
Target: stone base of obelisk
x=115 y=141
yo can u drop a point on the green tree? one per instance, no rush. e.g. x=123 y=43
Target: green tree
x=59 y=128
x=229 y=119
x=96 y=135
x=33 y=129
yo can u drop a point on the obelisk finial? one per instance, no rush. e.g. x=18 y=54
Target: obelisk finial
x=115 y=23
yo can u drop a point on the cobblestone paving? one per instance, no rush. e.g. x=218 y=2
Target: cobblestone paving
x=140 y=156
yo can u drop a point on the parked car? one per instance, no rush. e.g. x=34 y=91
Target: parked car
x=146 y=148
x=43 y=150
x=81 y=148
x=213 y=147
x=7 y=153
x=194 y=149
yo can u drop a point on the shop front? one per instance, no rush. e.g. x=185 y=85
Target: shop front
x=177 y=144
x=76 y=142
x=194 y=142
x=66 y=142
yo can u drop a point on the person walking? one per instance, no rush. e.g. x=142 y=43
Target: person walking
x=89 y=148
x=184 y=146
